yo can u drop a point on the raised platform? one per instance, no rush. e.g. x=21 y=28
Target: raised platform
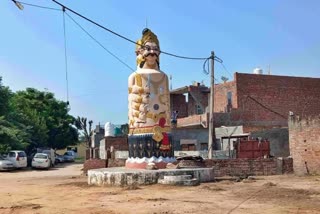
x=120 y=176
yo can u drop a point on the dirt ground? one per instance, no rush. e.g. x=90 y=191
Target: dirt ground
x=65 y=190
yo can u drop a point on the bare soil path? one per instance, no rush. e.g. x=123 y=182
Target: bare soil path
x=65 y=190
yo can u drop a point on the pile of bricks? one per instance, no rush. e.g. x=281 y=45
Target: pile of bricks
x=116 y=162
x=94 y=164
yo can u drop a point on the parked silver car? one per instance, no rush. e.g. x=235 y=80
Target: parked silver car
x=5 y=164
x=18 y=158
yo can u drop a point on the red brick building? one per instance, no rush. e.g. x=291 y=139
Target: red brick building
x=255 y=101
x=189 y=100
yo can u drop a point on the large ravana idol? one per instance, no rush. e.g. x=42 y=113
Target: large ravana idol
x=149 y=137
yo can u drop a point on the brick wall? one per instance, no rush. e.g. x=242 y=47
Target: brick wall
x=281 y=93
x=94 y=164
x=220 y=96
x=304 y=143
x=246 y=167
x=287 y=165
x=178 y=103
x=278 y=93
x=116 y=162
x=92 y=153
x=118 y=143
x=201 y=120
x=198 y=95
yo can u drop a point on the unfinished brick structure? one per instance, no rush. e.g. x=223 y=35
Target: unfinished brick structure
x=264 y=101
x=255 y=101
x=304 y=141
x=197 y=96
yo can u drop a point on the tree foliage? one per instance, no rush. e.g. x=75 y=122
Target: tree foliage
x=12 y=133
x=33 y=118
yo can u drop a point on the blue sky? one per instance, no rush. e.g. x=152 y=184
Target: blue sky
x=284 y=35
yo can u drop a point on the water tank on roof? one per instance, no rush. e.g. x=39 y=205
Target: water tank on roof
x=257 y=71
x=109 y=130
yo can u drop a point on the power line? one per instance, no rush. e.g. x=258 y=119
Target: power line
x=125 y=64
x=65 y=53
x=206 y=62
x=125 y=38
x=113 y=32
x=184 y=57
x=34 y=5
x=93 y=22
x=255 y=100
x=224 y=67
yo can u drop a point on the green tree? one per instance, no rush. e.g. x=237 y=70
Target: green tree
x=5 y=95
x=12 y=133
x=12 y=137
x=32 y=118
x=51 y=125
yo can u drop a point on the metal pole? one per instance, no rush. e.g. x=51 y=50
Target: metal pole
x=211 y=107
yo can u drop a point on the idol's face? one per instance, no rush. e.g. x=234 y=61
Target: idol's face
x=151 y=53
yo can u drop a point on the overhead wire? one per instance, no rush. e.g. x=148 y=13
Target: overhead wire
x=113 y=32
x=125 y=38
x=206 y=62
x=206 y=59
x=255 y=100
x=248 y=96
x=64 y=8
x=99 y=43
x=65 y=52
x=38 y=6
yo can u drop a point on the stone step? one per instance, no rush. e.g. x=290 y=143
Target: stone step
x=179 y=180
x=176 y=177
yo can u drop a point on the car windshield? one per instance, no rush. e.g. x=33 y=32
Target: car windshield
x=1 y=158
x=41 y=156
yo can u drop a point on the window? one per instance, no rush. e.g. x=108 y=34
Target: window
x=41 y=156
x=229 y=101
x=12 y=154
x=188 y=147
x=199 y=109
x=229 y=98
x=204 y=146
x=21 y=154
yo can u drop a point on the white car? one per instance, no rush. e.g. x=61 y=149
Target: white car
x=41 y=160
x=18 y=158
x=5 y=164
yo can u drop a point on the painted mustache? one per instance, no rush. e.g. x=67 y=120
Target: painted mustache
x=151 y=54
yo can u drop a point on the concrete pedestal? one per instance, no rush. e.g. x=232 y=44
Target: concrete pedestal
x=120 y=176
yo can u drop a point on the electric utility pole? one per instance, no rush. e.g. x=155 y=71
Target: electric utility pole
x=212 y=134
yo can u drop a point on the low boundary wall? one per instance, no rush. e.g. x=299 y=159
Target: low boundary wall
x=247 y=167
